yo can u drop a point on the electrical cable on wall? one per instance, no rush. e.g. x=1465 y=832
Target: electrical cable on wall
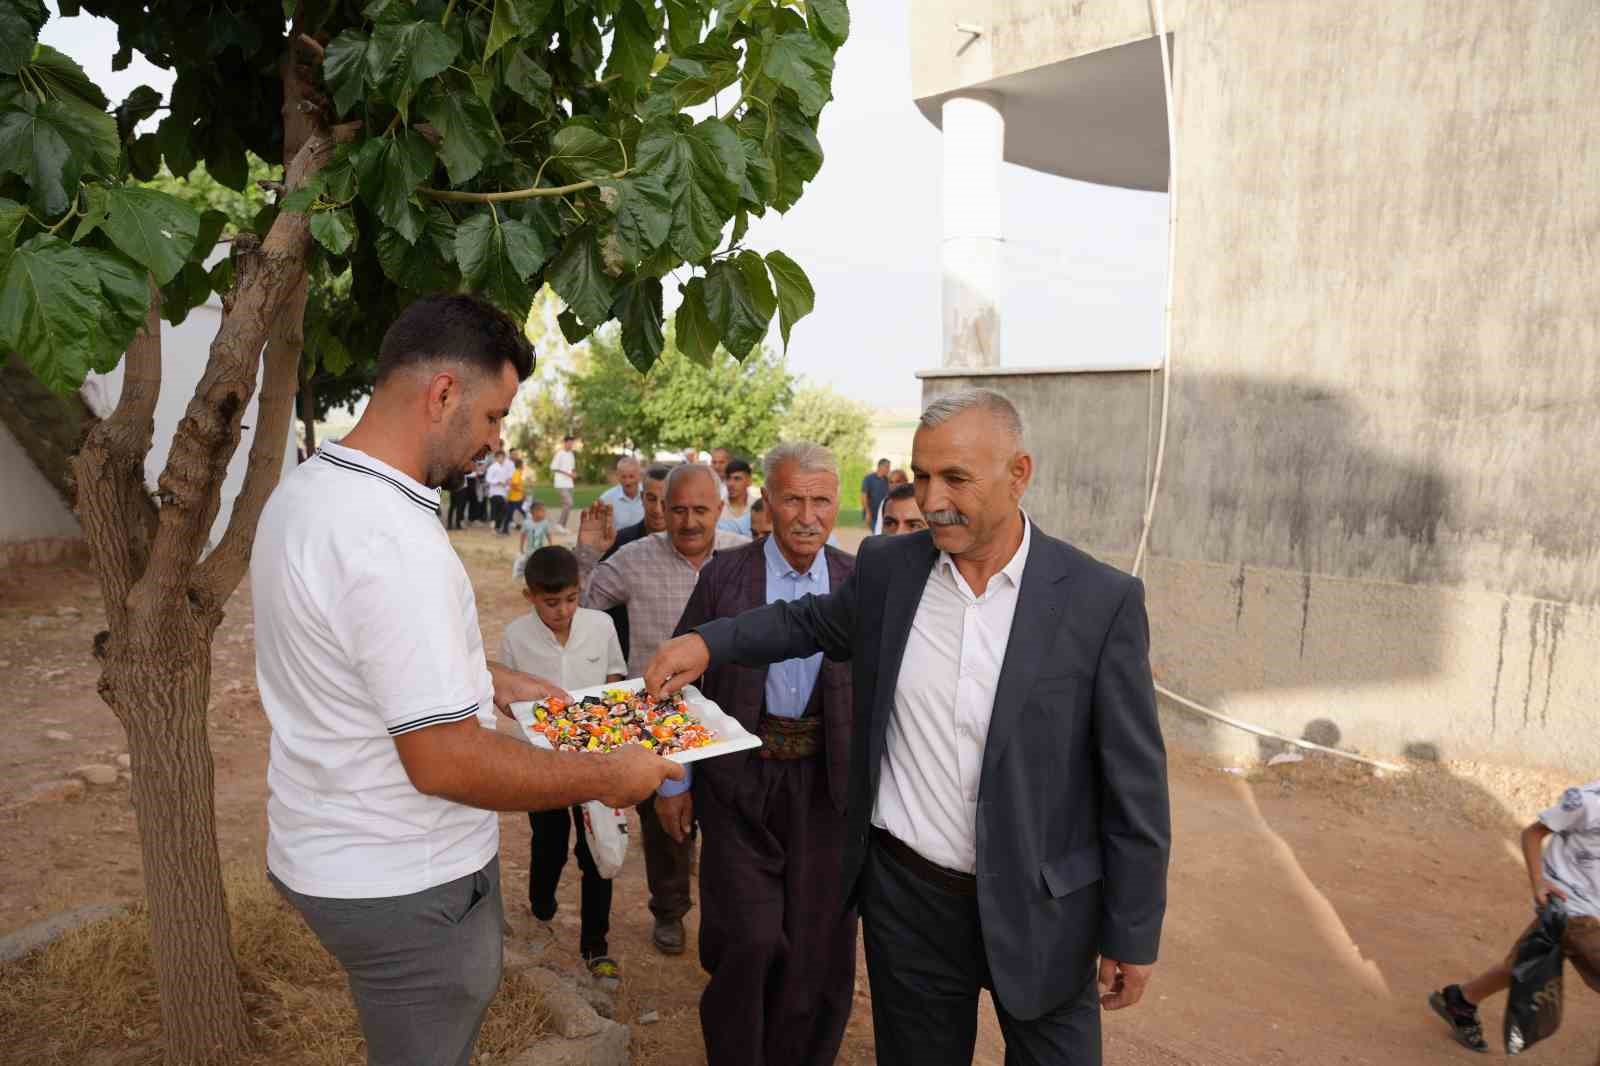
x=1160 y=14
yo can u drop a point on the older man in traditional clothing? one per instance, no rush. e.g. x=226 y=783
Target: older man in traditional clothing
x=775 y=934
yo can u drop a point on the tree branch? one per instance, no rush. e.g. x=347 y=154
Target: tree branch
x=510 y=194
x=223 y=569
x=114 y=506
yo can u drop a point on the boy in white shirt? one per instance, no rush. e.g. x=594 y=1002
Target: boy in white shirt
x=563 y=470
x=1568 y=868
x=579 y=648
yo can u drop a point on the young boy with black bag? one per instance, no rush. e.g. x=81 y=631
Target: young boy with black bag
x=1562 y=850
x=578 y=648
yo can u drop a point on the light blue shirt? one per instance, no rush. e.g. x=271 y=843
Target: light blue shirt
x=625 y=512
x=740 y=524
x=789 y=683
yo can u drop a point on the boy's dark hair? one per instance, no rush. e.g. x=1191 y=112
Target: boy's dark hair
x=760 y=504
x=454 y=327
x=551 y=569
x=903 y=492
x=657 y=472
x=536 y=505
x=736 y=466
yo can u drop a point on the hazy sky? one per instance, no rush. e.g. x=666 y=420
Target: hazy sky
x=1084 y=264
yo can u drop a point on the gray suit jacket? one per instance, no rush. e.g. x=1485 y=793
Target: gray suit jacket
x=1073 y=823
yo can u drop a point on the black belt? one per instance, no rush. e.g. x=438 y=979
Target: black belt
x=789 y=738
x=952 y=881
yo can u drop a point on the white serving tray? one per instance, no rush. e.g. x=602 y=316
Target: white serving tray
x=731 y=736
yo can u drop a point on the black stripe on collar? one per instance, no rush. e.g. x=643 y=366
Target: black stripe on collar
x=415 y=497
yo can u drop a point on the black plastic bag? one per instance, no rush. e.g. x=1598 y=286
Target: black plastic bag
x=1533 y=1010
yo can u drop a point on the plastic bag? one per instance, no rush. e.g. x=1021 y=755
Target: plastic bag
x=606 y=830
x=1533 y=1010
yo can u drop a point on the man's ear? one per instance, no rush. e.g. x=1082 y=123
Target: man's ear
x=445 y=393
x=1021 y=474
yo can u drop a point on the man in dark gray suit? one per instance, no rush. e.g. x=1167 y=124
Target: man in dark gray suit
x=1007 y=819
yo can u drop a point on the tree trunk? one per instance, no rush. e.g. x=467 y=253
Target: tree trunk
x=308 y=412
x=157 y=681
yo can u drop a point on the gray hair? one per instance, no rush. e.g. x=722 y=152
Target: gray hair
x=961 y=401
x=626 y=460
x=683 y=471
x=809 y=458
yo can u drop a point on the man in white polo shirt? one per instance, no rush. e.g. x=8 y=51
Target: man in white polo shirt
x=385 y=769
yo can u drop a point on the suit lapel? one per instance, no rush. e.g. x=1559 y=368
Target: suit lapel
x=903 y=593
x=1040 y=601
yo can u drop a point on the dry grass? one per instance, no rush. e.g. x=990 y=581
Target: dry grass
x=91 y=996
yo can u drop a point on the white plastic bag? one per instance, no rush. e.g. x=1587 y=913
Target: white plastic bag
x=606 y=830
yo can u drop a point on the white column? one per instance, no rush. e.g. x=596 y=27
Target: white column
x=974 y=145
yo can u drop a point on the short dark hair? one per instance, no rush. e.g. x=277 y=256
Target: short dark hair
x=551 y=569
x=536 y=505
x=903 y=492
x=884 y=462
x=568 y=437
x=657 y=472
x=458 y=327
x=760 y=504
x=736 y=466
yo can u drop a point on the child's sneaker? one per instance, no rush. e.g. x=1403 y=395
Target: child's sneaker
x=605 y=972
x=1461 y=1016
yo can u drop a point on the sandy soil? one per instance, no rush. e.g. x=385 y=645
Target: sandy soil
x=1313 y=906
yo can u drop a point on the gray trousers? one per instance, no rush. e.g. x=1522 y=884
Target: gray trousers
x=423 y=968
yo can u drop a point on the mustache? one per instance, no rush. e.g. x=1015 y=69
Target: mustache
x=805 y=530
x=945 y=518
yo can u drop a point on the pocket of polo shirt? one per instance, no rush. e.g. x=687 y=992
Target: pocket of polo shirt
x=1071 y=871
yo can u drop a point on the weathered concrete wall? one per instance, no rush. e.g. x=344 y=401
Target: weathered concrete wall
x=1378 y=509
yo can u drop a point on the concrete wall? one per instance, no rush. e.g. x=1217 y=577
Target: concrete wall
x=30 y=507
x=1378 y=512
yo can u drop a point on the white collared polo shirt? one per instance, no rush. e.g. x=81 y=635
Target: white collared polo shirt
x=366 y=628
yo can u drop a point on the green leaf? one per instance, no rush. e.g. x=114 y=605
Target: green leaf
x=403 y=55
x=527 y=79
x=739 y=301
x=421 y=265
x=19 y=28
x=643 y=213
x=699 y=73
x=344 y=68
x=574 y=331
x=638 y=308
x=339 y=176
x=12 y=216
x=225 y=159
x=796 y=297
x=496 y=259
x=390 y=11
x=144 y=157
x=226 y=30
x=190 y=289
x=334 y=230
x=125 y=287
x=50 y=306
x=702 y=169
x=222 y=276
x=633 y=46
x=303 y=197
x=583 y=149
x=829 y=20
x=802 y=64
x=685 y=18
x=760 y=181
x=791 y=144
x=175 y=135
x=512 y=19
x=211 y=223
x=63 y=77
x=697 y=335
x=140 y=105
x=153 y=229
x=51 y=144
x=390 y=174
x=469 y=132
x=580 y=279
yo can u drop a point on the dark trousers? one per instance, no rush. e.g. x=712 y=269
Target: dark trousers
x=498 y=513
x=926 y=964
x=548 y=857
x=667 y=865
x=458 y=507
x=775 y=936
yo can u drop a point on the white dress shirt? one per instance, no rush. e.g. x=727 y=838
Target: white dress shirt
x=625 y=510
x=498 y=477
x=933 y=753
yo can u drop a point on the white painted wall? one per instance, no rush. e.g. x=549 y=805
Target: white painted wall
x=30 y=508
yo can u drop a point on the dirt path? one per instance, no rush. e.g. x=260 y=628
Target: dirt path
x=1312 y=907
